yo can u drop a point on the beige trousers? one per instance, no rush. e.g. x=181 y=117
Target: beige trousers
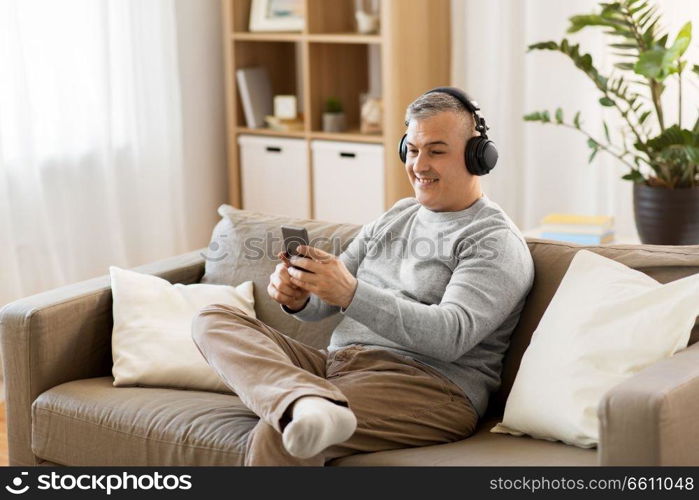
x=398 y=402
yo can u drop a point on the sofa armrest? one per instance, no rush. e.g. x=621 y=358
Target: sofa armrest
x=653 y=417
x=62 y=335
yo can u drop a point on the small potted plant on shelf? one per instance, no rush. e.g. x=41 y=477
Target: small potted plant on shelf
x=662 y=158
x=334 y=116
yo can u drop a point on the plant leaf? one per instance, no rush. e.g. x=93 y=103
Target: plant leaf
x=606 y=131
x=634 y=176
x=606 y=101
x=533 y=117
x=559 y=116
x=576 y=120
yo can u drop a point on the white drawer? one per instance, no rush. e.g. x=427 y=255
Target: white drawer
x=348 y=181
x=274 y=175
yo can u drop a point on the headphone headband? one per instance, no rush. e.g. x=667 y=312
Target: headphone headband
x=468 y=103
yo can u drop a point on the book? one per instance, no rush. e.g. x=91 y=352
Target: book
x=575 y=228
x=256 y=95
x=593 y=220
x=284 y=125
x=581 y=239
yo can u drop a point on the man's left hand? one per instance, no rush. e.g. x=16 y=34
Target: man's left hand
x=329 y=279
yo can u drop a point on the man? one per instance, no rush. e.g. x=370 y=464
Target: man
x=425 y=322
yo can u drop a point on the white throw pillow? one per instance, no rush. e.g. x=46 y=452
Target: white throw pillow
x=152 y=342
x=605 y=323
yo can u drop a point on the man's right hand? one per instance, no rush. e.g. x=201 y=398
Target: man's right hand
x=282 y=290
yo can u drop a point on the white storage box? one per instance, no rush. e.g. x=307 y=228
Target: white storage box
x=274 y=175
x=348 y=181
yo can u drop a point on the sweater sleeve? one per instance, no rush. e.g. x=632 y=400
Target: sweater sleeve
x=482 y=292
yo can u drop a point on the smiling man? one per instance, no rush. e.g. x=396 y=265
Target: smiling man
x=429 y=294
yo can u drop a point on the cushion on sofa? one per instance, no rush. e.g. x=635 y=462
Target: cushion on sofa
x=482 y=449
x=152 y=335
x=551 y=261
x=75 y=422
x=605 y=323
x=244 y=247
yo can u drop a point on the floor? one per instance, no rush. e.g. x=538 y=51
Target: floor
x=3 y=436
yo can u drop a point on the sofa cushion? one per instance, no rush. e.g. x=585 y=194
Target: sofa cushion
x=75 y=422
x=483 y=448
x=605 y=323
x=551 y=261
x=244 y=246
x=152 y=342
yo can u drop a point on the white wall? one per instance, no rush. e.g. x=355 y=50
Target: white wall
x=199 y=28
x=544 y=169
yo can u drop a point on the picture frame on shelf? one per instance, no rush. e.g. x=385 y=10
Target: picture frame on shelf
x=277 y=15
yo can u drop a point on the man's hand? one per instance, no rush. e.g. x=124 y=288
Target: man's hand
x=328 y=278
x=281 y=288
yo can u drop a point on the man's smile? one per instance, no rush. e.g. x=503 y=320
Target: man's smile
x=425 y=181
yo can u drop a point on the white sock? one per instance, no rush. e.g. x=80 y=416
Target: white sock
x=317 y=423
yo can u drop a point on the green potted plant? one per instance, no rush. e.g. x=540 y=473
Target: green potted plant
x=334 y=116
x=662 y=156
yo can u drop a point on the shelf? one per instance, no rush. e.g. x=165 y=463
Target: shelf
x=345 y=38
x=330 y=58
x=270 y=132
x=298 y=37
x=350 y=136
x=278 y=57
x=267 y=37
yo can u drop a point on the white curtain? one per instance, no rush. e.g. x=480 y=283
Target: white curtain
x=91 y=146
x=543 y=168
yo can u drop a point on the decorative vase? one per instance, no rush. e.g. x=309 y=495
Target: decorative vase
x=334 y=122
x=666 y=216
x=367 y=24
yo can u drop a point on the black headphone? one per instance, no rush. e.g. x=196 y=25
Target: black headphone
x=480 y=155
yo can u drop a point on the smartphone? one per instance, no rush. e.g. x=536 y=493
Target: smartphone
x=293 y=237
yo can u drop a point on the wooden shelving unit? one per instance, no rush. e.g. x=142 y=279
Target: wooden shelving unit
x=328 y=58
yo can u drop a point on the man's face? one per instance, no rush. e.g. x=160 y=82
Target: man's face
x=435 y=161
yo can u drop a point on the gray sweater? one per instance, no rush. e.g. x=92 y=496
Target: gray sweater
x=445 y=288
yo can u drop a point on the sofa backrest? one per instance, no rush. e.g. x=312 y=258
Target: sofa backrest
x=551 y=261
x=244 y=246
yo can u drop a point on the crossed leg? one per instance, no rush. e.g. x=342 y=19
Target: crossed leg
x=398 y=402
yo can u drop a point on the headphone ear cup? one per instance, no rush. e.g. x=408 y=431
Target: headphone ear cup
x=472 y=155
x=481 y=155
x=403 y=148
x=487 y=156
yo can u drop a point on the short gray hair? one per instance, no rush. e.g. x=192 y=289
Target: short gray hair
x=433 y=103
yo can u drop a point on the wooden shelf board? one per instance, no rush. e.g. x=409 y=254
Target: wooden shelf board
x=267 y=37
x=352 y=135
x=270 y=132
x=299 y=37
x=344 y=38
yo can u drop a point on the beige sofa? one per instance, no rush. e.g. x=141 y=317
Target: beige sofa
x=62 y=408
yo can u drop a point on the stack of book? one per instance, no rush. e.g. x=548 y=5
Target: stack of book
x=285 y=125
x=581 y=229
